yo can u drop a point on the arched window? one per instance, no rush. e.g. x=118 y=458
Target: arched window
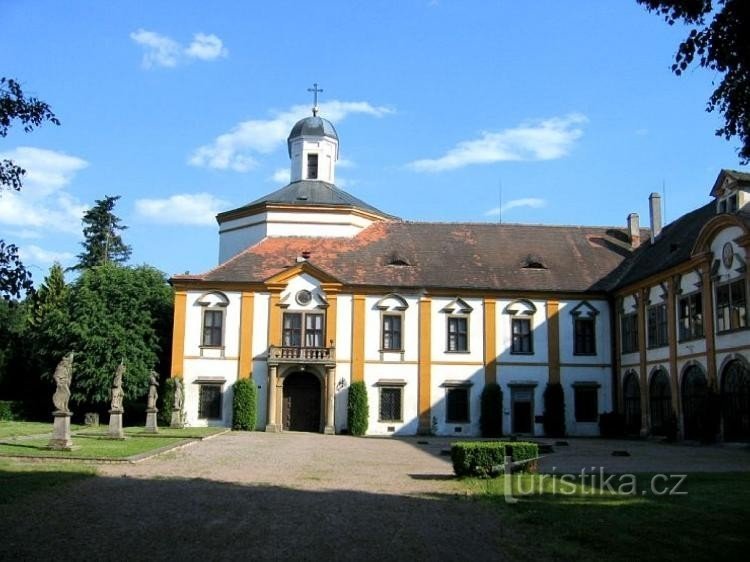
x=660 y=402
x=735 y=401
x=694 y=401
x=631 y=393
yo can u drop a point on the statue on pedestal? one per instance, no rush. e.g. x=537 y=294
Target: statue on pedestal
x=117 y=392
x=153 y=383
x=63 y=377
x=179 y=396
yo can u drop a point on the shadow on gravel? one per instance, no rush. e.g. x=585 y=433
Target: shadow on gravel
x=160 y=519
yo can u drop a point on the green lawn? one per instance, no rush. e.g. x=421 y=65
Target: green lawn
x=90 y=446
x=711 y=521
x=18 y=479
x=20 y=428
x=185 y=433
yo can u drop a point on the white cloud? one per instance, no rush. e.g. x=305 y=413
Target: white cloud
x=233 y=150
x=34 y=255
x=344 y=163
x=547 y=139
x=206 y=47
x=42 y=204
x=160 y=50
x=194 y=209
x=533 y=202
x=282 y=175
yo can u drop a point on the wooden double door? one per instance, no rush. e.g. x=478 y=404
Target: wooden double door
x=301 y=402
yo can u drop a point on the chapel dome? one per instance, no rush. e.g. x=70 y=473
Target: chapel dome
x=313 y=126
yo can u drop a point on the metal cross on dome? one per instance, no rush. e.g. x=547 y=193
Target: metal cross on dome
x=315 y=91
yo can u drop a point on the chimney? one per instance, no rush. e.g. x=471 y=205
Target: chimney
x=634 y=229
x=654 y=204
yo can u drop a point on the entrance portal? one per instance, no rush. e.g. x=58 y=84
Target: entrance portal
x=522 y=409
x=301 y=410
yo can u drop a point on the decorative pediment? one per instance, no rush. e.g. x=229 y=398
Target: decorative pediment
x=584 y=309
x=520 y=307
x=213 y=298
x=392 y=301
x=457 y=306
x=289 y=273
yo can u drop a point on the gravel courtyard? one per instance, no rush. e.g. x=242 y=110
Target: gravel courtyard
x=299 y=496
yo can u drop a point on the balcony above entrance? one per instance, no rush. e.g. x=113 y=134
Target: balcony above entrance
x=278 y=355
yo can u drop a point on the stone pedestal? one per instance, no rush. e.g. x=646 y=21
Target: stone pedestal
x=152 y=426
x=115 y=425
x=176 y=420
x=272 y=428
x=61 y=432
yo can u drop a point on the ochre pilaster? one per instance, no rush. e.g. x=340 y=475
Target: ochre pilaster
x=178 y=334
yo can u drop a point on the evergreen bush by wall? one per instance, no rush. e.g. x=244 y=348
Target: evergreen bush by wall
x=491 y=410
x=167 y=402
x=554 y=410
x=357 y=410
x=244 y=405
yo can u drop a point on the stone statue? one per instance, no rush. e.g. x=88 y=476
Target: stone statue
x=153 y=382
x=117 y=393
x=179 y=396
x=63 y=377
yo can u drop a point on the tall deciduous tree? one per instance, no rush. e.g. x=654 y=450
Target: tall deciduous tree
x=718 y=40
x=30 y=112
x=102 y=242
x=117 y=313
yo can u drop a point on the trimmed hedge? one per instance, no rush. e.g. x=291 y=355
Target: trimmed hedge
x=554 y=410
x=357 y=410
x=482 y=458
x=167 y=402
x=12 y=410
x=244 y=405
x=491 y=410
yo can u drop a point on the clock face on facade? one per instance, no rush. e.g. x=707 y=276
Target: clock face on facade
x=303 y=297
x=727 y=255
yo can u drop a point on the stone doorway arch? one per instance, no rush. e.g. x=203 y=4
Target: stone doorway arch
x=302 y=402
x=694 y=402
x=735 y=401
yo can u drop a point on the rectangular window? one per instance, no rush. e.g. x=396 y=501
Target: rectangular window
x=690 y=316
x=213 y=328
x=586 y=404
x=391 y=332
x=209 y=402
x=657 y=325
x=458 y=334
x=731 y=306
x=314 y=330
x=629 y=328
x=521 y=333
x=390 y=404
x=585 y=336
x=312 y=166
x=457 y=405
x=292 y=331
x=733 y=204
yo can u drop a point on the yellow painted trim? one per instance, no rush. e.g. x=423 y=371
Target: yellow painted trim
x=274 y=319
x=331 y=319
x=553 y=340
x=425 y=363
x=641 y=318
x=245 y=367
x=490 y=341
x=178 y=334
x=708 y=325
x=672 y=338
x=358 y=338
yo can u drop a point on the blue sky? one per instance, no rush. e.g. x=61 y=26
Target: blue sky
x=183 y=108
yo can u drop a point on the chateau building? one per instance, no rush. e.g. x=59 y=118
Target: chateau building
x=316 y=289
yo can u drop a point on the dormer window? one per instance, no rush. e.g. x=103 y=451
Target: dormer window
x=312 y=166
x=732 y=205
x=533 y=262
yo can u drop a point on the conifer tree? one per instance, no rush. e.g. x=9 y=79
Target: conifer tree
x=102 y=242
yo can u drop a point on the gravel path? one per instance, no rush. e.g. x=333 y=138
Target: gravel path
x=263 y=496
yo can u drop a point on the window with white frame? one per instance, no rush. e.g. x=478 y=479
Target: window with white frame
x=690 y=312
x=213 y=328
x=457 y=404
x=391 y=336
x=458 y=333
x=390 y=404
x=303 y=329
x=731 y=306
x=522 y=336
x=657 y=325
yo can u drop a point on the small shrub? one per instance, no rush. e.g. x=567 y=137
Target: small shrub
x=357 y=410
x=244 y=405
x=482 y=458
x=611 y=424
x=491 y=410
x=167 y=402
x=11 y=410
x=554 y=410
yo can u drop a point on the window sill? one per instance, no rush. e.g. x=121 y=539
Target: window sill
x=733 y=331
x=585 y=354
x=464 y=422
x=391 y=350
x=659 y=346
x=458 y=352
x=390 y=421
x=691 y=338
x=221 y=347
x=522 y=353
